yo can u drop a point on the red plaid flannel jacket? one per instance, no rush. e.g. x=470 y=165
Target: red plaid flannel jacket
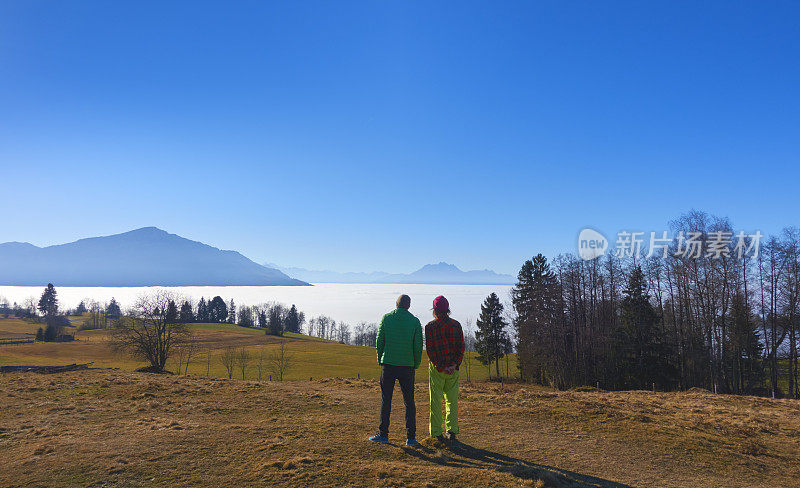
x=444 y=342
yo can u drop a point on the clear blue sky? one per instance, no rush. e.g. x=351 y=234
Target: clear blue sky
x=387 y=135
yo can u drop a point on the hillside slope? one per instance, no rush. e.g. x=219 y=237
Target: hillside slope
x=144 y=257
x=311 y=357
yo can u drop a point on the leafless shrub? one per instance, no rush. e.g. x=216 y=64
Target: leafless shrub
x=280 y=360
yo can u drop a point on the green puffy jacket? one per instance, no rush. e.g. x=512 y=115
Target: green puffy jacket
x=400 y=339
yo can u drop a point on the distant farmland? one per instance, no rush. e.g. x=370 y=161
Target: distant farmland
x=311 y=357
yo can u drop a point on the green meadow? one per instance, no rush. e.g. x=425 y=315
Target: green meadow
x=310 y=357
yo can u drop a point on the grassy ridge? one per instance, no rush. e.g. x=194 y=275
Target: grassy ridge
x=311 y=357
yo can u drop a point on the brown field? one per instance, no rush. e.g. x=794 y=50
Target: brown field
x=13 y=328
x=115 y=428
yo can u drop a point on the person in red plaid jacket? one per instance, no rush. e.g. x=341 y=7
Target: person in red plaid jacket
x=444 y=342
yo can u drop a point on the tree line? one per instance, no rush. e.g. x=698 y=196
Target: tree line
x=725 y=322
x=274 y=318
x=324 y=327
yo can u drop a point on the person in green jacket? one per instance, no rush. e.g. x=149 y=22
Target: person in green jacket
x=399 y=345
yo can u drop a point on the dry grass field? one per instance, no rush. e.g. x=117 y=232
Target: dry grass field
x=13 y=328
x=115 y=428
x=110 y=426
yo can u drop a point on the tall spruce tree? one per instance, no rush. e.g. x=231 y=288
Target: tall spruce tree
x=275 y=321
x=644 y=356
x=186 y=313
x=744 y=347
x=491 y=336
x=262 y=319
x=171 y=315
x=541 y=346
x=231 y=312
x=48 y=303
x=293 y=320
x=202 y=310
x=113 y=310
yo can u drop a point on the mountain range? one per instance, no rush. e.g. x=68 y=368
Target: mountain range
x=143 y=257
x=152 y=257
x=439 y=274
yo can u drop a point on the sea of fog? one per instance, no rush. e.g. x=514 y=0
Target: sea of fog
x=351 y=303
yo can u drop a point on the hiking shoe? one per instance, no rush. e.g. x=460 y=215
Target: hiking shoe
x=412 y=443
x=383 y=439
x=451 y=437
x=439 y=438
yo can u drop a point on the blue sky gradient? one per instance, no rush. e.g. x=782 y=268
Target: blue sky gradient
x=386 y=135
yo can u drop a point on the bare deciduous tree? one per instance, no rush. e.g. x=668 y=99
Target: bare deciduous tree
x=260 y=363
x=30 y=306
x=150 y=331
x=280 y=360
x=243 y=360
x=184 y=353
x=178 y=357
x=469 y=346
x=228 y=360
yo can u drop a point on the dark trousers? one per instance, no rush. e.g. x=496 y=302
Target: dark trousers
x=405 y=376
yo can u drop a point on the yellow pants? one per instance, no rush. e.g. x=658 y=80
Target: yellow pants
x=439 y=384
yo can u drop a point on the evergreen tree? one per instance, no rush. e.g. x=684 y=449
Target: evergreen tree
x=186 y=314
x=48 y=303
x=245 y=316
x=231 y=312
x=51 y=333
x=275 y=321
x=40 y=334
x=171 y=315
x=81 y=308
x=262 y=319
x=541 y=340
x=113 y=310
x=744 y=347
x=293 y=320
x=644 y=358
x=202 y=310
x=217 y=310
x=55 y=327
x=491 y=336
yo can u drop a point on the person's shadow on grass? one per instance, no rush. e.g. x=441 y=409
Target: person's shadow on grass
x=458 y=454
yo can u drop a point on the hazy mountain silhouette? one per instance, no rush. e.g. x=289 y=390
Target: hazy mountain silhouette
x=143 y=257
x=439 y=274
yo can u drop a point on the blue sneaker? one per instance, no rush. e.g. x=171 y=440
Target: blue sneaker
x=412 y=443
x=383 y=439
